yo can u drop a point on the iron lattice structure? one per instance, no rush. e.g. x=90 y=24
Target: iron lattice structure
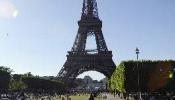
x=79 y=59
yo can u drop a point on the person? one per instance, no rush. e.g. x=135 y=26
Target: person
x=63 y=98
x=105 y=96
x=91 y=97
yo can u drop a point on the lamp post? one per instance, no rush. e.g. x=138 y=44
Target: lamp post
x=137 y=53
x=138 y=69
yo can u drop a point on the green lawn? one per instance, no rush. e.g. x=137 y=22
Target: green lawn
x=81 y=97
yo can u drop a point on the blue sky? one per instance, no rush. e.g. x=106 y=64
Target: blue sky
x=37 y=37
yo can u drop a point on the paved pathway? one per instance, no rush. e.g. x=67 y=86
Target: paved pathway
x=110 y=97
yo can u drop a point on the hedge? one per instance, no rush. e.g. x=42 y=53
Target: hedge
x=154 y=76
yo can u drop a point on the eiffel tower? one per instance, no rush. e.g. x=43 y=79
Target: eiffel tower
x=79 y=59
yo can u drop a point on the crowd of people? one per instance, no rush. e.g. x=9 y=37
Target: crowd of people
x=21 y=95
x=144 y=96
x=24 y=95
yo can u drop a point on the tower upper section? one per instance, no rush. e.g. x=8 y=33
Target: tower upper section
x=89 y=10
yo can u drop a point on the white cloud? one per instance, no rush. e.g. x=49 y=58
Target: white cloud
x=7 y=9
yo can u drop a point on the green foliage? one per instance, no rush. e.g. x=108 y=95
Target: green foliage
x=153 y=76
x=170 y=86
x=17 y=85
x=36 y=83
x=117 y=79
x=144 y=69
x=28 y=74
x=27 y=81
x=5 y=75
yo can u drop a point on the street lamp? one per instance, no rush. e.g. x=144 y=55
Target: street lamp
x=138 y=69
x=137 y=53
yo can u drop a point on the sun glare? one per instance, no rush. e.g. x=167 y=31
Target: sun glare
x=8 y=10
x=15 y=13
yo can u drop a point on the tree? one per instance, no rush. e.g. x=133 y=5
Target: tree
x=38 y=84
x=28 y=74
x=5 y=76
x=16 y=83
